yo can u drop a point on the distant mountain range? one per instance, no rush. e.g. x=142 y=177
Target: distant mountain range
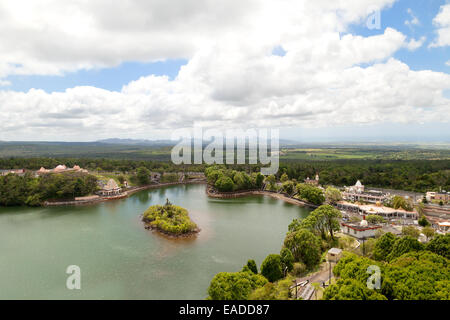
x=138 y=142
x=142 y=142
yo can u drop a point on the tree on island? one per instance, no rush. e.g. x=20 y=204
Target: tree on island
x=170 y=219
x=224 y=184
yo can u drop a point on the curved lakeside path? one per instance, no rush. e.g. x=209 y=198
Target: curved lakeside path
x=213 y=193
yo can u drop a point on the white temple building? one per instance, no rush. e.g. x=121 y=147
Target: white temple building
x=110 y=189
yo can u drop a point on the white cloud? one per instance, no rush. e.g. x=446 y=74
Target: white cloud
x=414 y=20
x=4 y=83
x=442 y=21
x=232 y=78
x=414 y=44
x=448 y=63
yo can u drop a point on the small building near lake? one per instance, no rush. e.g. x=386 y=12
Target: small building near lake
x=334 y=255
x=360 y=230
x=313 y=182
x=110 y=189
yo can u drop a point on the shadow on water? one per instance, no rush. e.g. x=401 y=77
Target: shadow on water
x=143 y=197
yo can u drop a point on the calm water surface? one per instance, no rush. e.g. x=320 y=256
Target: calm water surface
x=119 y=259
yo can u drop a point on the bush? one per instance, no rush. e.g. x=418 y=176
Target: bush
x=169 y=178
x=424 y=222
x=234 y=285
x=143 y=176
x=299 y=269
x=251 y=264
x=404 y=245
x=374 y=219
x=169 y=218
x=411 y=231
x=287 y=259
x=440 y=245
x=305 y=247
x=310 y=193
x=224 y=184
x=273 y=291
x=271 y=267
x=383 y=246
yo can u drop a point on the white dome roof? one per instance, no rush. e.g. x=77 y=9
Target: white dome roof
x=364 y=223
x=358 y=184
x=111 y=185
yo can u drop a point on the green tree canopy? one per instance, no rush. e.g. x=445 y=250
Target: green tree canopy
x=332 y=195
x=143 y=176
x=234 y=285
x=322 y=221
x=350 y=289
x=251 y=264
x=401 y=202
x=310 y=193
x=224 y=184
x=424 y=222
x=404 y=245
x=440 y=244
x=374 y=219
x=411 y=231
x=305 y=247
x=273 y=291
x=383 y=246
x=287 y=259
x=271 y=267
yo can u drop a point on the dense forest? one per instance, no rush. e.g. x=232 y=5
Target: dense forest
x=409 y=175
x=33 y=191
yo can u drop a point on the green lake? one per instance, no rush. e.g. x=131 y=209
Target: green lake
x=120 y=259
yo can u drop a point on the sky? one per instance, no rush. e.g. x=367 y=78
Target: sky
x=322 y=70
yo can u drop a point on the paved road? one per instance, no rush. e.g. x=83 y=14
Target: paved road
x=319 y=277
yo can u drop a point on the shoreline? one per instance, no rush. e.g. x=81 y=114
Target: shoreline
x=189 y=234
x=275 y=195
x=208 y=190
x=124 y=195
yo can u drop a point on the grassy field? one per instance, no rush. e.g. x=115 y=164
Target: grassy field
x=159 y=153
x=386 y=153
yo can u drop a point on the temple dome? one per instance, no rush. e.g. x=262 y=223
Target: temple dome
x=111 y=185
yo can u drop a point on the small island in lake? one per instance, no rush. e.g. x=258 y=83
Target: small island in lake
x=169 y=219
